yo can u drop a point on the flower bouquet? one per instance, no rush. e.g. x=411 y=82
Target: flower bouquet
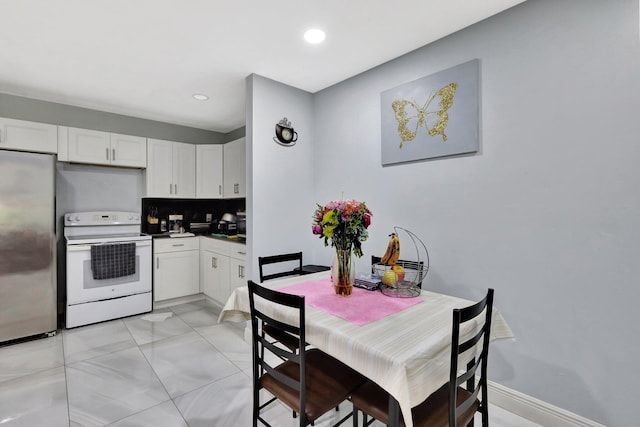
x=343 y=224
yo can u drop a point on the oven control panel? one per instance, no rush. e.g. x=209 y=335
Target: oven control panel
x=101 y=218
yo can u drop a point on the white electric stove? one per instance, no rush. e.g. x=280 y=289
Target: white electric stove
x=108 y=267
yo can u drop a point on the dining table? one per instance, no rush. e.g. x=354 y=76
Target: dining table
x=402 y=344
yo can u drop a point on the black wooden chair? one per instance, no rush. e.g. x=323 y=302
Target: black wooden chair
x=452 y=405
x=283 y=337
x=410 y=265
x=278 y=259
x=310 y=382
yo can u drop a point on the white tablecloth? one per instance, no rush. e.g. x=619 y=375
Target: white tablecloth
x=406 y=353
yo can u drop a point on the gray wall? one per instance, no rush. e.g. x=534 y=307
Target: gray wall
x=17 y=107
x=546 y=212
x=280 y=179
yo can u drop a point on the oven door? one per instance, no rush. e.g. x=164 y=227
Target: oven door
x=82 y=287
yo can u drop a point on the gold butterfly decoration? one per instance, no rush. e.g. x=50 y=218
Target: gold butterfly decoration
x=434 y=121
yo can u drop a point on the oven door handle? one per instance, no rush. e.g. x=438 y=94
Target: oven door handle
x=80 y=248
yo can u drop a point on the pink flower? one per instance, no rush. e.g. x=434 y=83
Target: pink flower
x=316 y=229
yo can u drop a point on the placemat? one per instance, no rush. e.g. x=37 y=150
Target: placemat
x=361 y=308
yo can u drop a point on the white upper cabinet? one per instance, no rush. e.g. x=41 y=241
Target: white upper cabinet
x=159 y=175
x=28 y=136
x=89 y=146
x=104 y=148
x=184 y=169
x=127 y=150
x=235 y=169
x=171 y=169
x=209 y=171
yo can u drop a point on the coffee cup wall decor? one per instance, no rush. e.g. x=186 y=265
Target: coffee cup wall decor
x=285 y=134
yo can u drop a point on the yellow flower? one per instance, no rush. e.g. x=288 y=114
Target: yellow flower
x=329 y=222
x=330 y=218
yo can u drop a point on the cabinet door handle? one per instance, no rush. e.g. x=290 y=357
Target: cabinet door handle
x=0 y=135
x=220 y=190
x=175 y=187
x=157 y=263
x=170 y=188
x=113 y=155
x=214 y=262
x=107 y=154
x=178 y=244
x=236 y=188
x=241 y=253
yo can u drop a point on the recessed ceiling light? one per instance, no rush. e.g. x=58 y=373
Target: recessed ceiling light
x=200 y=96
x=314 y=36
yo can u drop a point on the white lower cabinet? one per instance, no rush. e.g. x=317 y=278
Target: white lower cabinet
x=237 y=261
x=222 y=268
x=215 y=273
x=176 y=266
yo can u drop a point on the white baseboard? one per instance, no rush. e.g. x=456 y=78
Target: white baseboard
x=535 y=410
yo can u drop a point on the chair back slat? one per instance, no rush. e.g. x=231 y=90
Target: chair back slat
x=466 y=404
x=470 y=372
x=471 y=342
x=291 y=329
x=280 y=351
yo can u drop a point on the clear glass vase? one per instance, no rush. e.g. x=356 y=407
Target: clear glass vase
x=343 y=272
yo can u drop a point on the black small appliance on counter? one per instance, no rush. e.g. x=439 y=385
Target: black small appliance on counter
x=200 y=227
x=226 y=225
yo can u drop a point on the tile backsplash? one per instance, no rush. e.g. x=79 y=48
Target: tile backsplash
x=192 y=210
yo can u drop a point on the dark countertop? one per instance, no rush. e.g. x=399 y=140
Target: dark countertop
x=240 y=240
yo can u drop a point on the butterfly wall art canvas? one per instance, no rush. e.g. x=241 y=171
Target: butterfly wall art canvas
x=434 y=116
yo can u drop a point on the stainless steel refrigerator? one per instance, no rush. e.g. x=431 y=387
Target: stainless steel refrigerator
x=27 y=245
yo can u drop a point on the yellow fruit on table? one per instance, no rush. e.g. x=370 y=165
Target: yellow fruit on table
x=392 y=253
x=399 y=271
x=390 y=278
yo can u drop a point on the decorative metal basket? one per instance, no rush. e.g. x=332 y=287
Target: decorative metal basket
x=414 y=271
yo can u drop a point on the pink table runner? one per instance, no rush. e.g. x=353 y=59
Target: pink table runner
x=361 y=308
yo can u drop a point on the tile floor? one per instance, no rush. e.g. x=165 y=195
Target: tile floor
x=174 y=367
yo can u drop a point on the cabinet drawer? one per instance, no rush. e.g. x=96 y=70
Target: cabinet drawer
x=214 y=245
x=175 y=244
x=238 y=251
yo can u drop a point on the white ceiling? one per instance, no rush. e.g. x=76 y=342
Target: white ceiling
x=145 y=58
